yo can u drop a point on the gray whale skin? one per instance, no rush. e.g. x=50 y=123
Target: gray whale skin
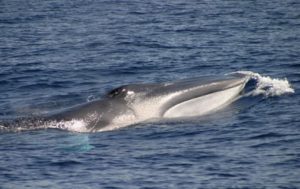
x=134 y=103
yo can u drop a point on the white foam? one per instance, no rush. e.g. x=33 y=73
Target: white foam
x=268 y=86
x=76 y=125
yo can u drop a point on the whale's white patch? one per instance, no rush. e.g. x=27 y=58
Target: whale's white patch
x=204 y=104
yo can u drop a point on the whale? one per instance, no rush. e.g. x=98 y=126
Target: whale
x=135 y=103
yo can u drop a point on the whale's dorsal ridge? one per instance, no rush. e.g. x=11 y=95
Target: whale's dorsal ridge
x=124 y=90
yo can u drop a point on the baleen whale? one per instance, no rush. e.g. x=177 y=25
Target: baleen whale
x=135 y=103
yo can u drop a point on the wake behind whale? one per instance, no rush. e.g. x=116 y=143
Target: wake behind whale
x=136 y=103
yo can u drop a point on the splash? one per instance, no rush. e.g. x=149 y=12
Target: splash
x=74 y=125
x=268 y=86
x=26 y=124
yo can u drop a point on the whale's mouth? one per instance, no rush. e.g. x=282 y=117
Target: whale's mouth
x=200 y=100
x=204 y=104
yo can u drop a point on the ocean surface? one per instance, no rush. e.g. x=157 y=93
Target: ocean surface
x=58 y=54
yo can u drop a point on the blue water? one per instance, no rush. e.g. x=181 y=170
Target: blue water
x=57 y=54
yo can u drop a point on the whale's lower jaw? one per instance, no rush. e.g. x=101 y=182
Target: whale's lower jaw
x=204 y=104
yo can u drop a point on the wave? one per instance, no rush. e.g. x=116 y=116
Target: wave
x=267 y=86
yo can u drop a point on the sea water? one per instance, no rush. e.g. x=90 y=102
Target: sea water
x=57 y=54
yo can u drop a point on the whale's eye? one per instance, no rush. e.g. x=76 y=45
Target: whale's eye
x=121 y=91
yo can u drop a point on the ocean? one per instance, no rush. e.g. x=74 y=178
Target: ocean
x=58 y=54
